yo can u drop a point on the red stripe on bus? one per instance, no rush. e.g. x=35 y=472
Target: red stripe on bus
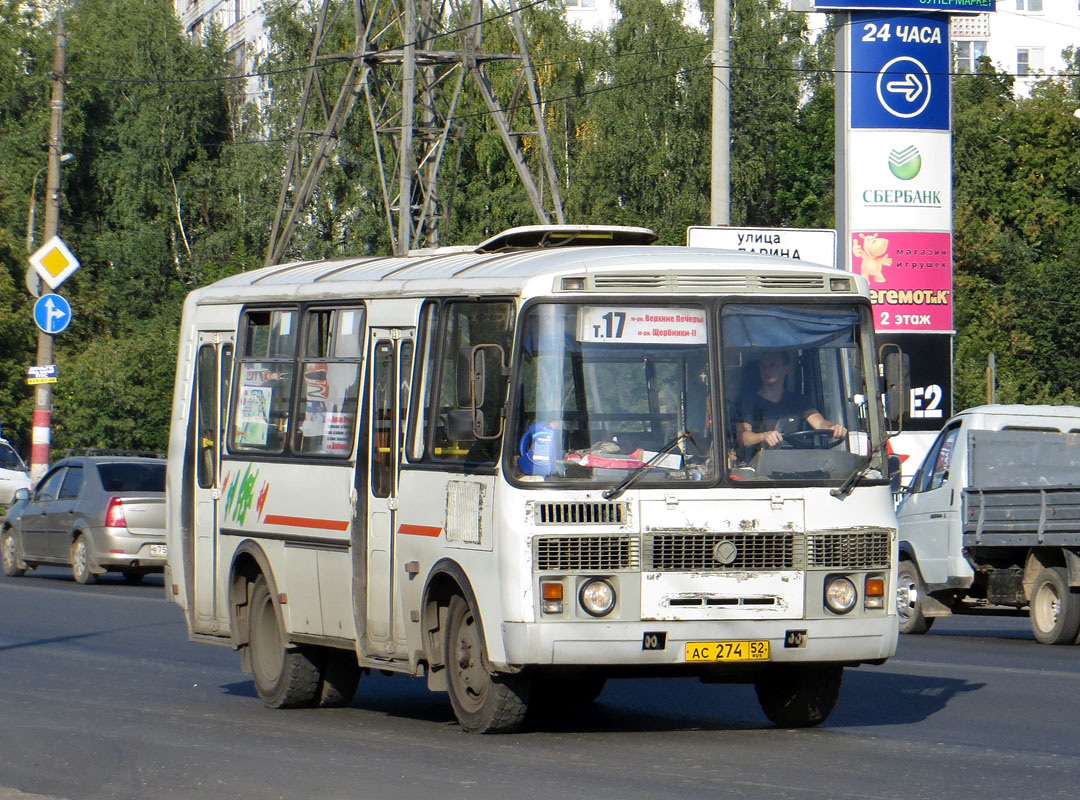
x=307 y=522
x=419 y=530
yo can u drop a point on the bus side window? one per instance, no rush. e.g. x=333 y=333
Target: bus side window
x=265 y=369
x=463 y=325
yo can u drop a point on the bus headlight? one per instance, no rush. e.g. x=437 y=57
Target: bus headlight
x=597 y=597
x=840 y=594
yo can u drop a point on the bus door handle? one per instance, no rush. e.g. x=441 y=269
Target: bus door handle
x=937 y=516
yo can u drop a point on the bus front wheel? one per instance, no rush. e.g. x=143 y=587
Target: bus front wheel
x=482 y=702
x=285 y=677
x=799 y=696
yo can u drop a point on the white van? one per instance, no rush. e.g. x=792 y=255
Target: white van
x=14 y=473
x=973 y=532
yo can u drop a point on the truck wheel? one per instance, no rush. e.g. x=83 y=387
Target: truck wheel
x=799 y=696
x=482 y=702
x=1055 y=608
x=909 y=604
x=285 y=677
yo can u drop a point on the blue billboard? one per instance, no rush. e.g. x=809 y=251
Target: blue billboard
x=899 y=71
x=953 y=6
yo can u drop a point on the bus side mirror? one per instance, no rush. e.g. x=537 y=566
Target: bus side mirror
x=894 y=473
x=897 y=381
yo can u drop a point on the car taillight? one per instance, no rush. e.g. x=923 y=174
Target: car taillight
x=114 y=514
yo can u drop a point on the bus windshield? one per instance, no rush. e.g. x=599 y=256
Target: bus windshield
x=603 y=390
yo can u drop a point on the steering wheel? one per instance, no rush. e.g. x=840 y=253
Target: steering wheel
x=804 y=439
x=820 y=439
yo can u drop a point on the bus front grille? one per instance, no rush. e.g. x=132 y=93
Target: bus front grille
x=586 y=553
x=849 y=550
x=700 y=551
x=580 y=513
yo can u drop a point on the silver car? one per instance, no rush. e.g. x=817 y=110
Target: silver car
x=13 y=473
x=92 y=513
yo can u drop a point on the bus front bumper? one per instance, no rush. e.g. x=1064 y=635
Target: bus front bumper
x=658 y=644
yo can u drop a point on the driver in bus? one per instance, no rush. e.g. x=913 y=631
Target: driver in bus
x=759 y=412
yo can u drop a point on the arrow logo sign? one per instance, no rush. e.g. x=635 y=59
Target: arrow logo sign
x=900 y=86
x=909 y=87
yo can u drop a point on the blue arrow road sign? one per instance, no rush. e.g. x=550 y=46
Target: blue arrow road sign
x=899 y=71
x=52 y=313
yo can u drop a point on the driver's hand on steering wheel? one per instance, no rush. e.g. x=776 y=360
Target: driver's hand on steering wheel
x=838 y=431
x=771 y=438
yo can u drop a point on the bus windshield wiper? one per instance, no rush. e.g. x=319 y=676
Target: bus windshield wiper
x=844 y=489
x=614 y=492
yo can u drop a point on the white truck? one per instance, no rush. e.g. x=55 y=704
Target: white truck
x=991 y=521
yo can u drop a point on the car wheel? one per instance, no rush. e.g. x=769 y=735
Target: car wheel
x=482 y=702
x=10 y=556
x=909 y=601
x=1055 y=608
x=285 y=676
x=82 y=563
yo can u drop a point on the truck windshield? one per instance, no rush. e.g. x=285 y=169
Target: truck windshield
x=602 y=388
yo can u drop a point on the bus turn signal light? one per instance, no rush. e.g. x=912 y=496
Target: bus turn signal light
x=874 y=592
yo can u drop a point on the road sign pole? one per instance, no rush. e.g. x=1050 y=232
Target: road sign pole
x=41 y=435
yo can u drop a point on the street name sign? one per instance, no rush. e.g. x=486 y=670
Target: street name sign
x=808 y=245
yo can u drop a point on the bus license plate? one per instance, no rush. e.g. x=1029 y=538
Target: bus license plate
x=161 y=550
x=754 y=650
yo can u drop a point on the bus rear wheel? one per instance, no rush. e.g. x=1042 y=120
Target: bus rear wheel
x=482 y=702
x=285 y=677
x=799 y=696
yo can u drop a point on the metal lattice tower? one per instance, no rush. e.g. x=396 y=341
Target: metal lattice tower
x=410 y=91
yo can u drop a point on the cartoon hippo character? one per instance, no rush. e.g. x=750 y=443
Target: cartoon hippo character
x=872 y=251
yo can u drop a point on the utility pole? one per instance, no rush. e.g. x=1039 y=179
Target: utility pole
x=41 y=436
x=720 y=207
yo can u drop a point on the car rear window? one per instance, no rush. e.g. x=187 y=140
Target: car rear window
x=132 y=477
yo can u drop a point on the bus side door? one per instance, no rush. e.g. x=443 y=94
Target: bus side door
x=213 y=370
x=390 y=371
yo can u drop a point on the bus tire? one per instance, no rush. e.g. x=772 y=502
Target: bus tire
x=340 y=677
x=909 y=600
x=799 y=696
x=1054 y=609
x=482 y=702
x=9 y=555
x=285 y=677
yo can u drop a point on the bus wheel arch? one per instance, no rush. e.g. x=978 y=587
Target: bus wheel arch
x=249 y=563
x=445 y=581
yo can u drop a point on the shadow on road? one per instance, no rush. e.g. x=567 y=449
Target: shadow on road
x=868 y=698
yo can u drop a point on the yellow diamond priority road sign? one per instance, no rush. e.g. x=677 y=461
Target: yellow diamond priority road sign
x=54 y=262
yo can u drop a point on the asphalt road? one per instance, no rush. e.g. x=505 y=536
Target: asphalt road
x=102 y=696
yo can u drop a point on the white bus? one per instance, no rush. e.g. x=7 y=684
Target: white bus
x=516 y=470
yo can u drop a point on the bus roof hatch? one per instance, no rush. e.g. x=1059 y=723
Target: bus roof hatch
x=539 y=236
